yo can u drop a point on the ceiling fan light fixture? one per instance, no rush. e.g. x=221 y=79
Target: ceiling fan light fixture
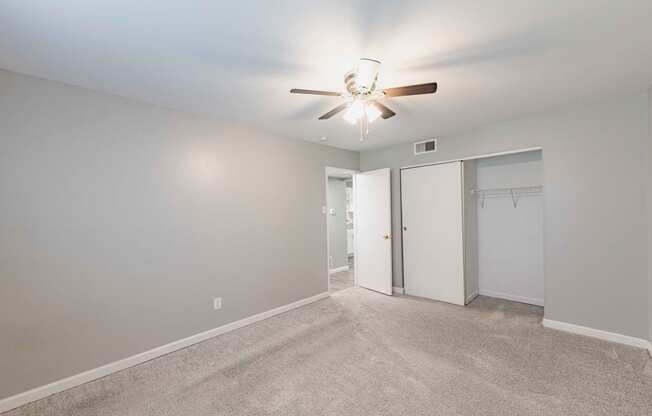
x=358 y=109
x=354 y=112
x=349 y=118
x=372 y=112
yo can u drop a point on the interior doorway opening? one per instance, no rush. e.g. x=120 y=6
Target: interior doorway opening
x=340 y=214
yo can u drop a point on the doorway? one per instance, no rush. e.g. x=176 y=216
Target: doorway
x=361 y=249
x=340 y=214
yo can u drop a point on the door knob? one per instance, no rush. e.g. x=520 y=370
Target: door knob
x=386 y=236
x=404 y=228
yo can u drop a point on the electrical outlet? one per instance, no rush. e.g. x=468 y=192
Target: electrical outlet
x=217 y=303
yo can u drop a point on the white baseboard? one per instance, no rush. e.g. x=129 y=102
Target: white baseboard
x=398 y=290
x=470 y=298
x=37 y=393
x=598 y=333
x=338 y=269
x=515 y=298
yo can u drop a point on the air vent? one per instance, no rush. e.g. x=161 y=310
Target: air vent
x=426 y=146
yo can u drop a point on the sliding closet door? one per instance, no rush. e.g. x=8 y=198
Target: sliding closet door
x=433 y=244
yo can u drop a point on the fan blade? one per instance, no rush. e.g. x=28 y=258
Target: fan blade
x=411 y=90
x=314 y=92
x=384 y=111
x=334 y=111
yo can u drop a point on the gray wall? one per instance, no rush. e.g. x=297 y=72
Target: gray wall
x=649 y=209
x=595 y=179
x=119 y=221
x=337 y=223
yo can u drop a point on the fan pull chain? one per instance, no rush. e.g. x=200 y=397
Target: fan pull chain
x=364 y=126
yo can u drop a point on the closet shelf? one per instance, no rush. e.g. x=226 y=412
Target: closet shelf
x=515 y=193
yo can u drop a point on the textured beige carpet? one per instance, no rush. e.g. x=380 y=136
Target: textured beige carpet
x=362 y=353
x=342 y=280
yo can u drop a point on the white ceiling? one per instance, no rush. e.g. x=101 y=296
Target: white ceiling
x=238 y=59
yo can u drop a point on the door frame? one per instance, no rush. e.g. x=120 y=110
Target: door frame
x=330 y=171
x=480 y=156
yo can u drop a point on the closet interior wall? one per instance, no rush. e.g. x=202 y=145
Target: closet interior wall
x=504 y=236
x=471 y=277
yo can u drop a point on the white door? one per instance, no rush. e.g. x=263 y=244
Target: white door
x=433 y=238
x=373 y=224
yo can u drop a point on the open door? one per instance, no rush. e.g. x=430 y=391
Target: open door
x=373 y=261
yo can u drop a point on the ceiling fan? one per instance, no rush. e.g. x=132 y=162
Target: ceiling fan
x=362 y=95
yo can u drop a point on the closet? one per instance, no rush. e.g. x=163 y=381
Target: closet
x=474 y=227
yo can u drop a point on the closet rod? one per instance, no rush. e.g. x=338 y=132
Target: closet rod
x=514 y=192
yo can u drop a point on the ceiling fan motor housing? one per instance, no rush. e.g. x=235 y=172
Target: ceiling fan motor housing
x=362 y=80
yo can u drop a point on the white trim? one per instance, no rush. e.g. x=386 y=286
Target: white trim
x=470 y=298
x=332 y=171
x=597 y=333
x=398 y=290
x=338 y=269
x=37 y=393
x=515 y=298
x=461 y=159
